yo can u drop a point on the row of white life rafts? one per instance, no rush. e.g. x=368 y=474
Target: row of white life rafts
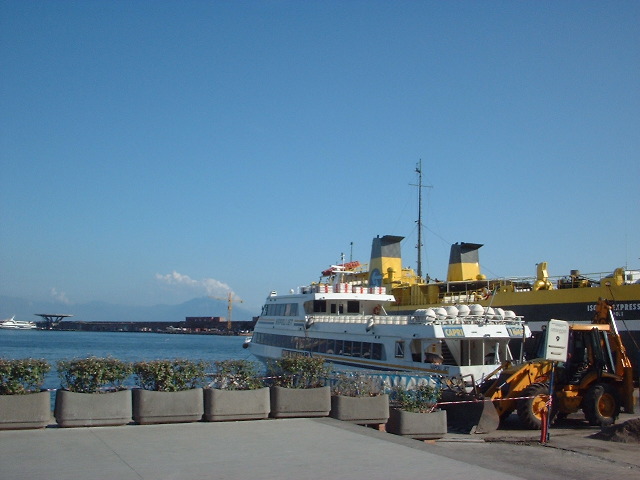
x=348 y=288
x=458 y=311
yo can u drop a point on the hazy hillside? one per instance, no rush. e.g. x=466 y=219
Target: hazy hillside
x=100 y=311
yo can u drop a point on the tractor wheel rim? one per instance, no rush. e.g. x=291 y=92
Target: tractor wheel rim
x=538 y=404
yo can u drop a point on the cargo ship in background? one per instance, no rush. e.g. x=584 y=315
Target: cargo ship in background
x=538 y=298
x=572 y=297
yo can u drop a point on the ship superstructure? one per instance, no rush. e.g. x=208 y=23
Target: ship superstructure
x=349 y=324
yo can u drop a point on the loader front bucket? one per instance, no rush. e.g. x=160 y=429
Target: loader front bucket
x=472 y=416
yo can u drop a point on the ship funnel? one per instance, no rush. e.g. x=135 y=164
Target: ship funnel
x=385 y=259
x=464 y=263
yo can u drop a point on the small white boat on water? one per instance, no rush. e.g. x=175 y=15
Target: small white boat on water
x=12 y=324
x=346 y=323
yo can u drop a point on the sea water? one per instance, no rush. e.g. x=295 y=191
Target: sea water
x=52 y=345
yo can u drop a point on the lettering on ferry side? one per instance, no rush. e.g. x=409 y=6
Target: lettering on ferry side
x=515 y=331
x=453 y=331
x=284 y=321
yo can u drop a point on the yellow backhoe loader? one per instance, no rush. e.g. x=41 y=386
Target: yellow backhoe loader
x=597 y=378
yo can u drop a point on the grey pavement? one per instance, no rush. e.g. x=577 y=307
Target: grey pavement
x=302 y=448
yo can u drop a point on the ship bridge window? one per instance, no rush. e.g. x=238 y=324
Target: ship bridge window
x=331 y=346
x=400 y=349
x=308 y=307
x=353 y=306
x=337 y=308
x=281 y=309
x=375 y=351
x=321 y=345
x=319 y=306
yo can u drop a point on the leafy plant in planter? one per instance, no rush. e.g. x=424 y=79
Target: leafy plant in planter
x=413 y=412
x=298 y=387
x=357 y=397
x=420 y=399
x=356 y=384
x=236 y=375
x=298 y=372
x=93 y=374
x=22 y=403
x=170 y=375
x=236 y=392
x=170 y=391
x=22 y=376
x=93 y=393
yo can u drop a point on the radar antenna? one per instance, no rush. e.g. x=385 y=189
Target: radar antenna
x=419 y=221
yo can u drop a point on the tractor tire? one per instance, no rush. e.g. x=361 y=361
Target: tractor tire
x=601 y=405
x=506 y=414
x=530 y=409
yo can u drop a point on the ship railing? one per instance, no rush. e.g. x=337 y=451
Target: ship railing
x=467 y=320
x=391 y=319
x=461 y=298
x=414 y=320
x=364 y=319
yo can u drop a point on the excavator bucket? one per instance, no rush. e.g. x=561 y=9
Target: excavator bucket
x=472 y=416
x=489 y=418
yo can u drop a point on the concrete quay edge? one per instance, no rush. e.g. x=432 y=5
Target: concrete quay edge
x=305 y=448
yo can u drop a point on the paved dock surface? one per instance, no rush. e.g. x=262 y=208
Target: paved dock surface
x=305 y=448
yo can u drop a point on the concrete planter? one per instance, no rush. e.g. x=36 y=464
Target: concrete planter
x=422 y=426
x=32 y=410
x=300 y=402
x=167 y=407
x=231 y=405
x=92 y=409
x=361 y=410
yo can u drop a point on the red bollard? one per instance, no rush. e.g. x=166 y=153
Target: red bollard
x=543 y=426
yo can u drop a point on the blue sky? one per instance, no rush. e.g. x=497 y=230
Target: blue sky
x=152 y=152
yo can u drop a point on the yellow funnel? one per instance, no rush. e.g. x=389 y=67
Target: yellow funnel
x=464 y=263
x=385 y=256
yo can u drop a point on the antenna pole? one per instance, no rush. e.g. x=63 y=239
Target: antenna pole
x=419 y=222
x=419 y=172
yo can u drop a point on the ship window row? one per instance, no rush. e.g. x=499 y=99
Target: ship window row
x=281 y=309
x=347 y=348
x=336 y=307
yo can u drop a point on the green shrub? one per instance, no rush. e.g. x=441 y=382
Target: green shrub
x=170 y=375
x=421 y=398
x=298 y=372
x=21 y=376
x=236 y=375
x=356 y=384
x=93 y=374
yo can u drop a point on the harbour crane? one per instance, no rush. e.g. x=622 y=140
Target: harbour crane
x=230 y=301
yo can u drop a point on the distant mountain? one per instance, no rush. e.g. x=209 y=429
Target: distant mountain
x=106 y=312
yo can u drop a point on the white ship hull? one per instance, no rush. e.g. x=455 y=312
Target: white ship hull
x=11 y=324
x=350 y=328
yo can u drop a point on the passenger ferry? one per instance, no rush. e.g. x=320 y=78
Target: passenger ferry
x=348 y=324
x=12 y=324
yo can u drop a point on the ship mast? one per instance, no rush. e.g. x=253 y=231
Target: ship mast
x=419 y=222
